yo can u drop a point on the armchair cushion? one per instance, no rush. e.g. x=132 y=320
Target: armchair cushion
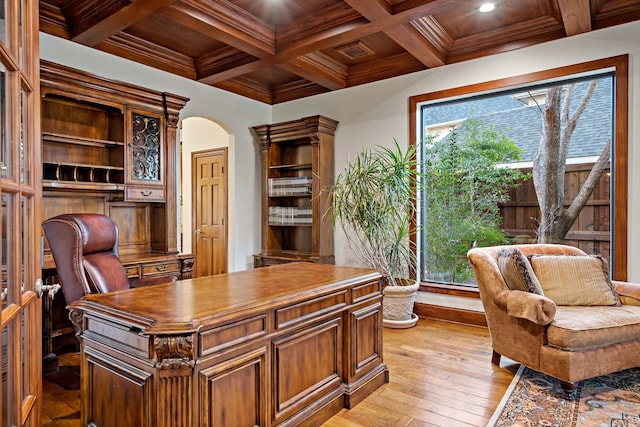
x=581 y=280
x=517 y=271
x=580 y=328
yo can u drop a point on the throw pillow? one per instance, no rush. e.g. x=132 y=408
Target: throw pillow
x=575 y=279
x=517 y=271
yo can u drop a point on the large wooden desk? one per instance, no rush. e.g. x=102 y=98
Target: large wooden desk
x=287 y=345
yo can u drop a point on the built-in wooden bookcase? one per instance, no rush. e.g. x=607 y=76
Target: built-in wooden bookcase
x=296 y=163
x=109 y=147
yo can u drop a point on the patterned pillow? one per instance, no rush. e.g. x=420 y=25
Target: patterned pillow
x=517 y=271
x=575 y=279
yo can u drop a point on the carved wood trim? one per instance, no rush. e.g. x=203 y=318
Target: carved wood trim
x=174 y=352
x=76 y=319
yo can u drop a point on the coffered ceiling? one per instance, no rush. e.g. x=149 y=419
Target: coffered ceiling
x=279 y=50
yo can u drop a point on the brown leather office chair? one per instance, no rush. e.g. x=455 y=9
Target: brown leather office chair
x=85 y=249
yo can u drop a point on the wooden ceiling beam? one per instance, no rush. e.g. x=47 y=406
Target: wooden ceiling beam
x=222 y=59
x=418 y=46
x=318 y=68
x=52 y=21
x=116 y=22
x=227 y=23
x=404 y=34
x=290 y=52
x=344 y=33
x=293 y=90
x=247 y=87
x=144 y=52
x=576 y=16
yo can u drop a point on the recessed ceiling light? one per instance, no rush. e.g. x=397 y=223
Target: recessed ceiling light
x=486 y=7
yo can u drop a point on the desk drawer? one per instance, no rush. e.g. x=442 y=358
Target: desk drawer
x=233 y=334
x=168 y=268
x=309 y=309
x=122 y=337
x=144 y=194
x=132 y=271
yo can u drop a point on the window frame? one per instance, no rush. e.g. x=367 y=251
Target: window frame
x=619 y=65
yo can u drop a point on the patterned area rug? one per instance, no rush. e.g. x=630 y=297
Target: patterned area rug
x=535 y=399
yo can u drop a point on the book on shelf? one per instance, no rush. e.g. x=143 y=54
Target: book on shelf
x=290 y=186
x=284 y=215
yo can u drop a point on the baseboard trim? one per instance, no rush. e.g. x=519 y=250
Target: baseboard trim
x=450 y=314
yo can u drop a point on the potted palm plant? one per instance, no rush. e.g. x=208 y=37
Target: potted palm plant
x=374 y=202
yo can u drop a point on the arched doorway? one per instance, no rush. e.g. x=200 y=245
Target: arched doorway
x=206 y=204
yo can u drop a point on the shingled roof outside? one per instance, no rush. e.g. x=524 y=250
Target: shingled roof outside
x=522 y=123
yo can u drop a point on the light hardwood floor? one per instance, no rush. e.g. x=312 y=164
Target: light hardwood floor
x=440 y=375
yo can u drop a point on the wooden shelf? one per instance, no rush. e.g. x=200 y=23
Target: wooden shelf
x=77 y=140
x=274 y=224
x=292 y=166
x=82 y=165
x=78 y=173
x=72 y=185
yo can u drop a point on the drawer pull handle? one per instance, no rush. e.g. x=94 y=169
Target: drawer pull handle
x=145 y=192
x=161 y=267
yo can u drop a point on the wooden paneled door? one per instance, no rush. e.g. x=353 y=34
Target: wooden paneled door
x=209 y=170
x=20 y=177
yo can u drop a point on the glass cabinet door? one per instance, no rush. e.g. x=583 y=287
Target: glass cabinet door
x=145 y=149
x=145 y=157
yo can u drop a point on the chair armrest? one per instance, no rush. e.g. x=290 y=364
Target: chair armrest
x=526 y=305
x=149 y=281
x=629 y=292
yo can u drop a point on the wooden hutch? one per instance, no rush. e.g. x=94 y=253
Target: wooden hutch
x=297 y=164
x=110 y=147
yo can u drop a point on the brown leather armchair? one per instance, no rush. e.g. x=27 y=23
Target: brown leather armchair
x=85 y=249
x=568 y=342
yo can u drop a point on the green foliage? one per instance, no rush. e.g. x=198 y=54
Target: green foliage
x=373 y=200
x=462 y=192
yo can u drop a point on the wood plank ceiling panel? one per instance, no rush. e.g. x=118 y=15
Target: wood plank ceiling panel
x=276 y=51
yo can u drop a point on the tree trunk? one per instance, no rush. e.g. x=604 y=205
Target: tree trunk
x=550 y=161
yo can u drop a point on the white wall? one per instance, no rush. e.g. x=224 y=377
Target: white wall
x=377 y=112
x=235 y=113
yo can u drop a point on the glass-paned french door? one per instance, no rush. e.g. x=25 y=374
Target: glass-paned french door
x=20 y=318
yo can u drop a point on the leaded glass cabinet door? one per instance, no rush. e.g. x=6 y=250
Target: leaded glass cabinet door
x=146 y=157
x=20 y=194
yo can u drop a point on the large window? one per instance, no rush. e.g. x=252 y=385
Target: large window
x=478 y=144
